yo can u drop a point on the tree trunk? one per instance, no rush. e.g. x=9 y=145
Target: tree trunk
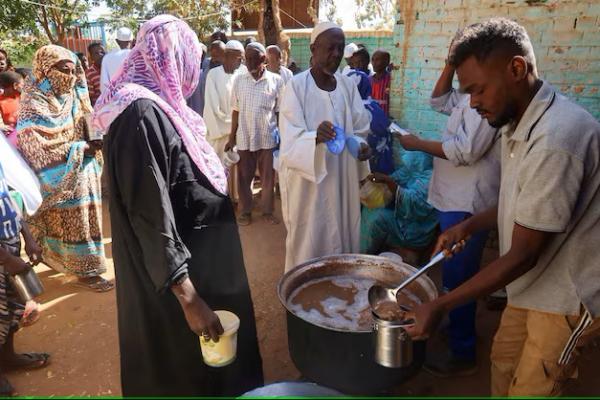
x=270 y=30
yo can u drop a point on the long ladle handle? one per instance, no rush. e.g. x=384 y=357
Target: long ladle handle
x=434 y=260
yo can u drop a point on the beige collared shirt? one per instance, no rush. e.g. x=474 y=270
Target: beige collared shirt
x=551 y=182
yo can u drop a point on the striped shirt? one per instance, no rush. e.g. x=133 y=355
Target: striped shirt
x=92 y=75
x=380 y=91
x=257 y=102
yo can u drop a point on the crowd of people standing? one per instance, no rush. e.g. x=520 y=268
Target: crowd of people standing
x=187 y=129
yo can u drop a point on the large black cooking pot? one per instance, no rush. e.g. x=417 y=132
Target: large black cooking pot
x=341 y=359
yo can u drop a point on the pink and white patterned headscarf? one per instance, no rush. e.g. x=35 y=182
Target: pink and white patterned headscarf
x=164 y=66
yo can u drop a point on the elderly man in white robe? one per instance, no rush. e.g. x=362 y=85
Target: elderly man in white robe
x=217 y=101
x=320 y=190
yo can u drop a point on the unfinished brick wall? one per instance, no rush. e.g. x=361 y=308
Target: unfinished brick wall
x=565 y=36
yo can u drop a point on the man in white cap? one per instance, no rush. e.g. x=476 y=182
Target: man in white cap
x=217 y=102
x=255 y=98
x=113 y=60
x=349 y=51
x=319 y=189
x=217 y=96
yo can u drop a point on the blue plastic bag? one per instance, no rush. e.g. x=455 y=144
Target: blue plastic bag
x=336 y=145
x=353 y=144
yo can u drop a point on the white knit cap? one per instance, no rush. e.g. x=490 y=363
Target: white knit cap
x=350 y=49
x=124 y=35
x=234 y=45
x=258 y=47
x=322 y=27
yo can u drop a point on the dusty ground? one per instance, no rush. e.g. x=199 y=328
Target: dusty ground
x=79 y=329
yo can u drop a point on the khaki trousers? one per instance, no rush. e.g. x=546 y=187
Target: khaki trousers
x=534 y=353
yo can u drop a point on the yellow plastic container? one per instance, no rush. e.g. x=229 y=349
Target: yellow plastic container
x=224 y=352
x=375 y=195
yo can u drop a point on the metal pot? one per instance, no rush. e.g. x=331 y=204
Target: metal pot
x=393 y=345
x=341 y=359
x=27 y=285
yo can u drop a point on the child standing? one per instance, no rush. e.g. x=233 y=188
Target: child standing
x=12 y=84
x=11 y=307
x=381 y=80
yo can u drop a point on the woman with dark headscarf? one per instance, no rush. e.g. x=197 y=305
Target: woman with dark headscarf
x=51 y=134
x=176 y=245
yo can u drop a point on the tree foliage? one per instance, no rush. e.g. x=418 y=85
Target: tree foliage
x=370 y=14
x=375 y=14
x=204 y=16
x=54 y=18
x=21 y=49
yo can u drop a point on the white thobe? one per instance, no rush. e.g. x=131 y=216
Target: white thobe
x=110 y=66
x=217 y=107
x=319 y=190
x=285 y=74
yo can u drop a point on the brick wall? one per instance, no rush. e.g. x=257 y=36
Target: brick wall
x=565 y=36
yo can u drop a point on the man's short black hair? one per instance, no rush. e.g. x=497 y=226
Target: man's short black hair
x=363 y=54
x=386 y=53
x=481 y=39
x=92 y=45
x=8 y=78
x=219 y=35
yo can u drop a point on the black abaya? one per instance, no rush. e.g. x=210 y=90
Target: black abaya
x=167 y=218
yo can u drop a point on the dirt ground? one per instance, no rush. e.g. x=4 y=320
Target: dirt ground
x=79 y=329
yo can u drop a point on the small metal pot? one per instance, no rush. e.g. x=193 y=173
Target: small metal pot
x=393 y=345
x=27 y=285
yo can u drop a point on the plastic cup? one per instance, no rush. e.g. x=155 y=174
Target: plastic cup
x=224 y=352
x=231 y=158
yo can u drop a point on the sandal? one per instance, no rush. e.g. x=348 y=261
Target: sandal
x=244 y=220
x=98 y=285
x=270 y=219
x=31 y=314
x=6 y=389
x=26 y=361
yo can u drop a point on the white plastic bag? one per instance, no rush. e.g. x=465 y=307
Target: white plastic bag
x=20 y=177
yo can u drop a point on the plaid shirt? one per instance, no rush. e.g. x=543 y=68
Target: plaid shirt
x=257 y=101
x=92 y=75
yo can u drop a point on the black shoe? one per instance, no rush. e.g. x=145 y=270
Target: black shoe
x=443 y=365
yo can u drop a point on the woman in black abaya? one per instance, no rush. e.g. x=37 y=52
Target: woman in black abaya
x=176 y=246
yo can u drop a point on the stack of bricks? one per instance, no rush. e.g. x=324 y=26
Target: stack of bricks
x=565 y=36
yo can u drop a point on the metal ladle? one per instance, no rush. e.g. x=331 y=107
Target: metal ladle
x=379 y=294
